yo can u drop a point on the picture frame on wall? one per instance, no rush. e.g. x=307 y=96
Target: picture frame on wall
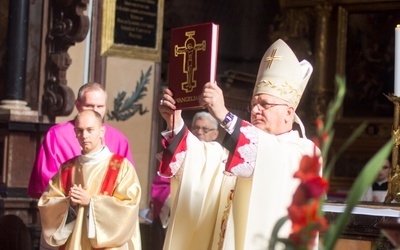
x=365 y=56
x=365 y=38
x=132 y=28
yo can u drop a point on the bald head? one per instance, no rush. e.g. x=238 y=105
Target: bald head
x=89 y=131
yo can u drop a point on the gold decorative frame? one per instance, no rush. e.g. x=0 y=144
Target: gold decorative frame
x=343 y=56
x=379 y=128
x=109 y=48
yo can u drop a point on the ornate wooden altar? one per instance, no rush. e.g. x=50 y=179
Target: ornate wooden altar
x=364 y=229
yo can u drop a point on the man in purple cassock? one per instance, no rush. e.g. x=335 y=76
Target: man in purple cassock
x=60 y=143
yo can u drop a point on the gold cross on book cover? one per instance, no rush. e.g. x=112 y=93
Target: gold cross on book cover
x=193 y=62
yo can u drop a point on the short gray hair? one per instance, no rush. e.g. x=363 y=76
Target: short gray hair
x=202 y=115
x=91 y=86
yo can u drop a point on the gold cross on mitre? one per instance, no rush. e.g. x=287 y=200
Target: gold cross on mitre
x=271 y=58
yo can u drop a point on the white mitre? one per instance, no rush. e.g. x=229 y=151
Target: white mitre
x=282 y=75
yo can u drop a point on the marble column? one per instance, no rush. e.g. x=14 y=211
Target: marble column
x=13 y=107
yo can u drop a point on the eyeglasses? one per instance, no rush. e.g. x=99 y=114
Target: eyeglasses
x=264 y=106
x=205 y=129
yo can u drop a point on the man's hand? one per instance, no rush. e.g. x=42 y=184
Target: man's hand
x=212 y=98
x=79 y=195
x=167 y=110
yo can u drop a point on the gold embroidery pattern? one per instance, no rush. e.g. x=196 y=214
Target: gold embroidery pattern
x=115 y=164
x=224 y=220
x=283 y=89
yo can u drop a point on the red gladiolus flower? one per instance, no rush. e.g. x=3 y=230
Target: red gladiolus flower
x=300 y=196
x=305 y=222
x=316 y=187
x=298 y=216
x=303 y=212
x=309 y=168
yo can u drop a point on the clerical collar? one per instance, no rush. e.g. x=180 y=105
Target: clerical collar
x=96 y=157
x=380 y=186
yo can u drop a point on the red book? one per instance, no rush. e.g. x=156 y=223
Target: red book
x=193 y=62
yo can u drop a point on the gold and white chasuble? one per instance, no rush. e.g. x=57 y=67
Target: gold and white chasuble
x=110 y=221
x=211 y=208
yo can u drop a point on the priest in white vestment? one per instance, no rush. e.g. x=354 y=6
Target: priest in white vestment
x=93 y=200
x=211 y=211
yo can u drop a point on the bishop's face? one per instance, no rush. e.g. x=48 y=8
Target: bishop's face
x=271 y=114
x=89 y=132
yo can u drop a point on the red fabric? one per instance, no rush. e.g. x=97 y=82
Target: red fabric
x=161 y=186
x=108 y=181
x=235 y=158
x=164 y=169
x=66 y=179
x=114 y=166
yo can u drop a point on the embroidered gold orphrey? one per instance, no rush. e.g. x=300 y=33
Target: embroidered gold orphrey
x=224 y=220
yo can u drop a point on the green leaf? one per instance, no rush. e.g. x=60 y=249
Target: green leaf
x=330 y=117
x=356 y=133
x=363 y=181
x=274 y=235
x=365 y=178
x=335 y=105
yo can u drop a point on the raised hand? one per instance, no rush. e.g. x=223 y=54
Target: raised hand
x=167 y=110
x=212 y=98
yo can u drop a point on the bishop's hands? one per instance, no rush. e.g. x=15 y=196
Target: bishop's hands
x=212 y=98
x=168 y=110
x=79 y=195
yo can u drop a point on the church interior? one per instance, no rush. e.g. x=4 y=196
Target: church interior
x=48 y=49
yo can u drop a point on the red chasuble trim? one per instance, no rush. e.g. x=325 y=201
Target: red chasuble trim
x=107 y=187
x=108 y=183
x=66 y=178
x=170 y=151
x=235 y=158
